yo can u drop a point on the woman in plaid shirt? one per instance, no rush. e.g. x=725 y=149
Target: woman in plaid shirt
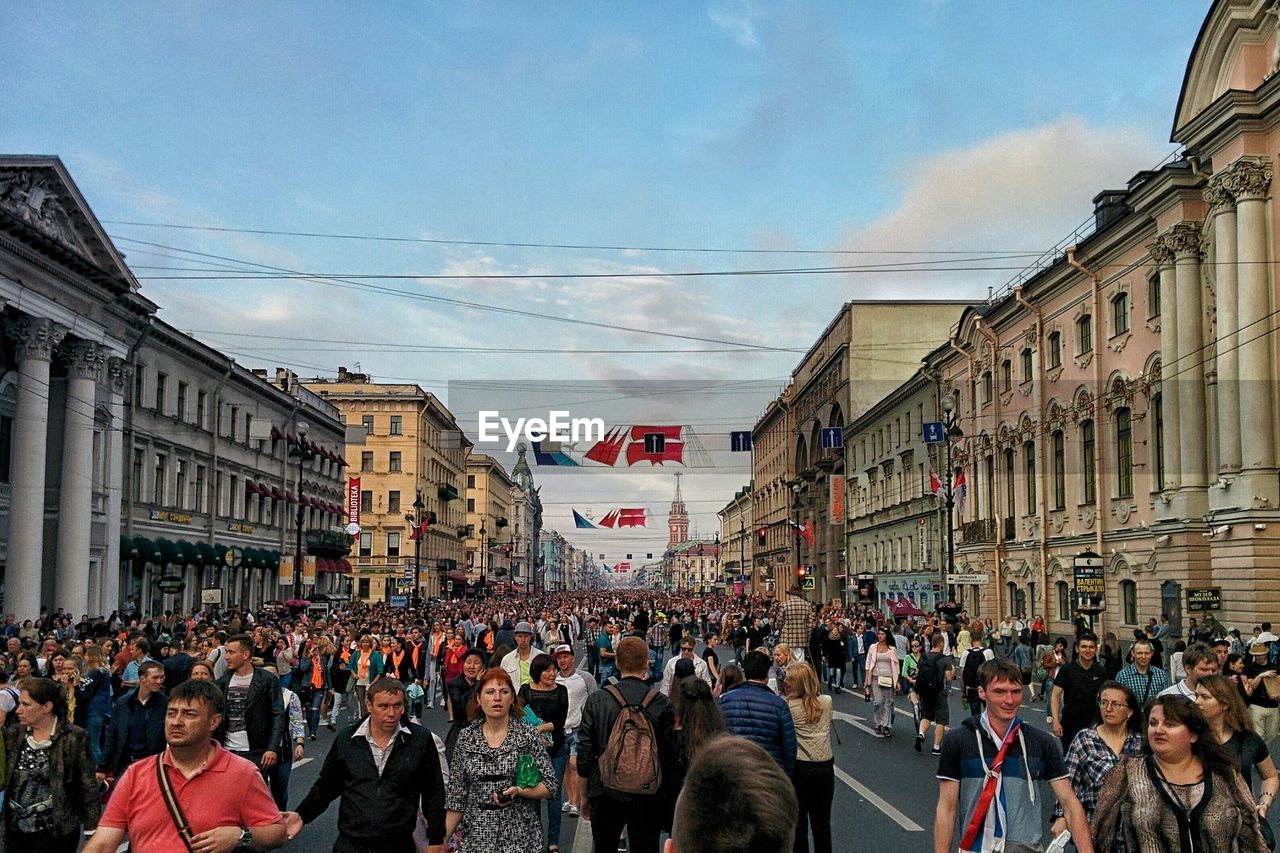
x=1097 y=749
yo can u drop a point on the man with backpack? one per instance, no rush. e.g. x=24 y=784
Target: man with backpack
x=625 y=743
x=933 y=673
x=970 y=662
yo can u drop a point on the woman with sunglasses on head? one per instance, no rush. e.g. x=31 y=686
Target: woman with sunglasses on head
x=1182 y=794
x=1097 y=749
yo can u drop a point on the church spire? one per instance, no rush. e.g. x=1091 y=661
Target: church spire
x=677 y=519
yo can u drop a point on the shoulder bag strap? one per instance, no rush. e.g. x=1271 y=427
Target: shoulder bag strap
x=171 y=803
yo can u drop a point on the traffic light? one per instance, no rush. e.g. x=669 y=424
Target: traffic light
x=761 y=536
x=800 y=572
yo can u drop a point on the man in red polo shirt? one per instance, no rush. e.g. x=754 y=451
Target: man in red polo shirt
x=222 y=796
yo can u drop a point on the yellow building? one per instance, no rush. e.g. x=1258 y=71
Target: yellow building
x=489 y=533
x=409 y=455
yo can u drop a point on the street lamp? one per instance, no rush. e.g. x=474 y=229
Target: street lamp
x=951 y=430
x=797 y=489
x=418 y=506
x=304 y=455
x=484 y=550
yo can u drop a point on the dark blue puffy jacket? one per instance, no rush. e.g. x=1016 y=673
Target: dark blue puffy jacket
x=755 y=712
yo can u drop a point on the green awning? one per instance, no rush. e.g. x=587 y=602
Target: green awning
x=208 y=555
x=170 y=551
x=148 y=551
x=128 y=551
x=190 y=553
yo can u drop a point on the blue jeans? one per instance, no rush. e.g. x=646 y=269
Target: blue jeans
x=559 y=761
x=433 y=680
x=278 y=778
x=313 y=711
x=98 y=724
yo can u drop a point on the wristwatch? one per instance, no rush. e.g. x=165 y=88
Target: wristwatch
x=246 y=837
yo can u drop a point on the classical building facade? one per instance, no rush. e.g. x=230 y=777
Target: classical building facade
x=738 y=537
x=1122 y=399
x=488 y=544
x=773 y=560
x=896 y=527
x=404 y=447
x=858 y=359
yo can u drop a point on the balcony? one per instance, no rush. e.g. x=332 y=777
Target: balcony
x=333 y=544
x=446 y=492
x=977 y=532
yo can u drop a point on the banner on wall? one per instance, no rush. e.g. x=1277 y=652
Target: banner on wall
x=285 y=577
x=837 y=500
x=308 y=571
x=353 y=501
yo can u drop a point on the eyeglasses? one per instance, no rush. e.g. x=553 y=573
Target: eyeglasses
x=1108 y=705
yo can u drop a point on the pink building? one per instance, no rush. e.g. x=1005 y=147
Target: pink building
x=1123 y=399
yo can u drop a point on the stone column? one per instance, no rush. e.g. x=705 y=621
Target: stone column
x=75 y=495
x=35 y=339
x=1162 y=254
x=1248 y=179
x=1188 y=373
x=1223 y=217
x=119 y=372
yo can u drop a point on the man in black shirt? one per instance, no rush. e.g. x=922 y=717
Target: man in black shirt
x=1074 y=704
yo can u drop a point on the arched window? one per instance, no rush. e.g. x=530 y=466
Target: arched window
x=1055 y=349
x=1129 y=602
x=1157 y=431
x=1084 y=335
x=1124 y=453
x=1089 y=461
x=1120 y=313
x=988 y=387
x=1026 y=365
x=1029 y=453
x=1006 y=375
x=1011 y=598
x=1064 y=601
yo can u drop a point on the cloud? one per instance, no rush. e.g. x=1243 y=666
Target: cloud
x=1020 y=191
x=737 y=18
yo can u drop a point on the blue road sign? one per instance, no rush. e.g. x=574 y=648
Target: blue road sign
x=934 y=433
x=740 y=442
x=833 y=438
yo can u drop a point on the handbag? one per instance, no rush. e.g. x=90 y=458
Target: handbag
x=527 y=773
x=884 y=680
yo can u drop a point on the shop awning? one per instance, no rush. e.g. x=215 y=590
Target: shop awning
x=277 y=493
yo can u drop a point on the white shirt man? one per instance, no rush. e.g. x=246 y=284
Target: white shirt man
x=686 y=653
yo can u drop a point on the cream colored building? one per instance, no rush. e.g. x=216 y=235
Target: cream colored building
x=773 y=563
x=402 y=441
x=737 y=539
x=488 y=544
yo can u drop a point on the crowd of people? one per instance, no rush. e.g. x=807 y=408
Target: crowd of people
x=605 y=706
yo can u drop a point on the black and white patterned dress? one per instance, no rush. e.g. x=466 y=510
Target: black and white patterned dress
x=479 y=771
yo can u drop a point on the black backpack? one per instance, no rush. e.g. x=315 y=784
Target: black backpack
x=928 y=674
x=972 y=663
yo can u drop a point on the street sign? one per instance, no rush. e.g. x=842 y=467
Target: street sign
x=233 y=558
x=399 y=601
x=934 y=433
x=655 y=442
x=740 y=441
x=211 y=596
x=809 y=583
x=973 y=579
x=171 y=584
x=1204 y=598
x=404 y=584
x=833 y=438
x=353 y=529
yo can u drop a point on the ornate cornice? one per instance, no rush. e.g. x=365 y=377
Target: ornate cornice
x=1161 y=253
x=84 y=359
x=1247 y=178
x=1216 y=193
x=1184 y=240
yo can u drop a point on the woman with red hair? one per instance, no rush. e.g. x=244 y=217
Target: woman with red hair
x=485 y=798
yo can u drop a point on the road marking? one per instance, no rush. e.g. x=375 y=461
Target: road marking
x=582 y=842
x=853 y=721
x=870 y=796
x=302 y=761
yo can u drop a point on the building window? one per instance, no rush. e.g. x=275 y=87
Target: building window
x=1157 y=428
x=161 y=380
x=235 y=416
x=248 y=428
x=1064 y=601
x=397 y=425
x=1006 y=375
x=180 y=493
x=1055 y=349
x=1010 y=504
x=366 y=460
x=182 y=401
x=139 y=382
x=1129 y=602
x=1120 y=313
x=988 y=387
x=471 y=481
x=1153 y=296
x=366 y=421
x=199 y=503
x=231 y=496
x=1084 y=335
x=393 y=501
x=1029 y=450
x=471 y=504
x=395 y=460
x=1089 y=460
x=393 y=544
x=1059 y=470
x=366 y=544
x=137 y=476
x=989 y=468
x=1026 y=365
x=1124 y=453
x=201 y=400
x=363 y=588
x=157 y=483
x=366 y=501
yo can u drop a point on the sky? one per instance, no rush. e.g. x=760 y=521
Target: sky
x=676 y=147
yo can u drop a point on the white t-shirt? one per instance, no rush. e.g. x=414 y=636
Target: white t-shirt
x=579 y=686
x=237 y=739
